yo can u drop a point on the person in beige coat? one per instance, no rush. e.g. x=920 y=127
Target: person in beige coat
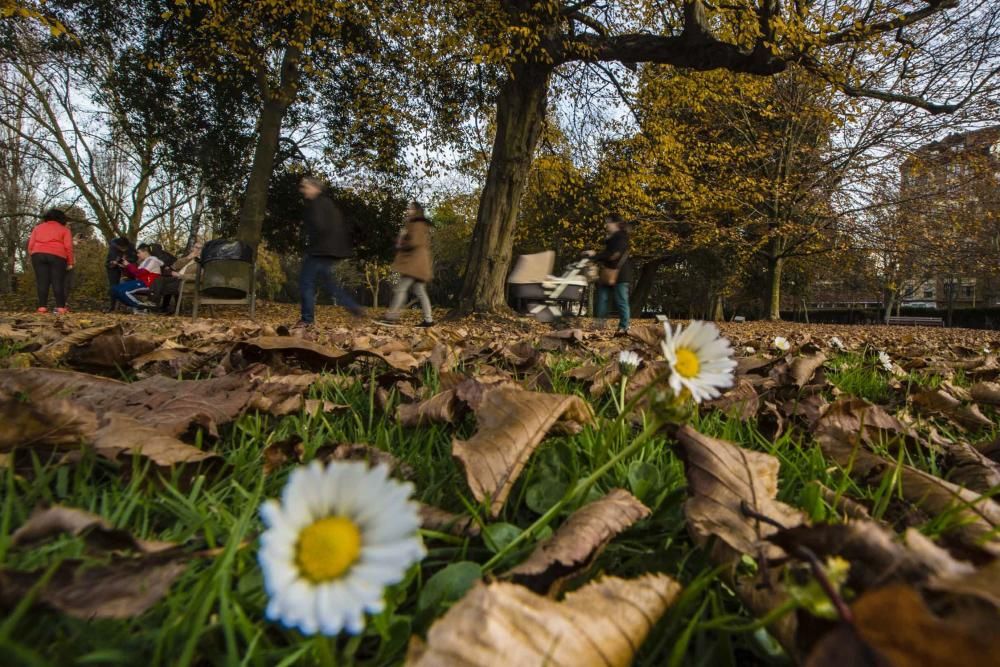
x=414 y=265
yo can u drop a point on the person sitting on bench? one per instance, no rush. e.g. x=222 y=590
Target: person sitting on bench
x=142 y=276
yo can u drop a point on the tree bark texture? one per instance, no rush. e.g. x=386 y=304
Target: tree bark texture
x=520 y=116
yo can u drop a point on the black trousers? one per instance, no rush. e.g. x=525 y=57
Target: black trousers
x=50 y=272
x=114 y=277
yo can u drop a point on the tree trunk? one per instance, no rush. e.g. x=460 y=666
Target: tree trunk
x=254 y=205
x=520 y=116
x=718 y=311
x=275 y=102
x=644 y=284
x=776 y=264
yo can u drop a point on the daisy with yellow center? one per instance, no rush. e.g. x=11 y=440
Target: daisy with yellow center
x=700 y=360
x=339 y=536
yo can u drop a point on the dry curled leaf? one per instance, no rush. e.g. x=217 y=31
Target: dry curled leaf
x=722 y=477
x=802 y=369
x=121 y=434
x=740 y=402
x=435 y=518
x=986 y=392
x=123 y=588
x=441 y=408
x=977 y=517
x=893 y=627
x=943 y=403
x=602 y=624
x=578 y=541
x=98 y=533
x=511 y=424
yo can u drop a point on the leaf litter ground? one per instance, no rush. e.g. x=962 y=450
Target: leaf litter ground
x=830 y=507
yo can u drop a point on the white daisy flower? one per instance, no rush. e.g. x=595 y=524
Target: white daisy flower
x=700 y=360
x=628 y=362
x=987 y=350
x=885 y=360
x=339 y=536
x=749 y=350
x=781 y=343
x=836 y=343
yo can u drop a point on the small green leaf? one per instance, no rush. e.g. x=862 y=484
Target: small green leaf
x=449 y=585
x=543 y=495
x=499 y=535
x=642 y=478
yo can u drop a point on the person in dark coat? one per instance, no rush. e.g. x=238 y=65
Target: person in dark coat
x=614 y=256
x=120 y=248
x=328 y=239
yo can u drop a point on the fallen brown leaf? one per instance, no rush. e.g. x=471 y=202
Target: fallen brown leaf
x=602 y=624
x=123 y=588
x=441 y=408
x=511 y=424
x=49 y=522
x=977 y=516
x=740 y=402
x=435 y=518
x=942 y=403
x=578 y=541
x=722 y=476
x=893 y=626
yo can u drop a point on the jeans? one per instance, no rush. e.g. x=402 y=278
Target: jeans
x=125 y=292
x=320 y=270
x=50 y=272
x=620 y=292
x=400 y=293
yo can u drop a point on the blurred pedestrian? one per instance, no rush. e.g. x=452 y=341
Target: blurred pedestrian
x=414 y=263
x=328 y=239
x=51 y=249
x=615 y=272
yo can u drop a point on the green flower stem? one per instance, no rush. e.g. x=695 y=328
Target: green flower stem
x=326 y=651
x=774 y=615
x=578 y=489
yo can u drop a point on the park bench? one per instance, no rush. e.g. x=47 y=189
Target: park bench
x=916 y=321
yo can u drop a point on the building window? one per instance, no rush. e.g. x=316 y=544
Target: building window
x=928 y=292
x=969 y=290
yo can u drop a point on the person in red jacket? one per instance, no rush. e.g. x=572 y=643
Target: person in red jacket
x=51 y=249
x=143 y=275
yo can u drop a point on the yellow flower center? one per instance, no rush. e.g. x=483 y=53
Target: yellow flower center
x=327 y=548
x=687 y=363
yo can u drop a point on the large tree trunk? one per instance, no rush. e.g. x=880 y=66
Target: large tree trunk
x=254 y=205
x=775 y=264
x=520 y=116
x=276 y=101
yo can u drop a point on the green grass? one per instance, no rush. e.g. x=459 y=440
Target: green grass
x=214 y=614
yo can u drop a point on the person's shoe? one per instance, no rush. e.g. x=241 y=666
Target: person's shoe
x=140 y=311
x=42 y=310
x=359 y=312
x=62 y=311
x=302 y=324
x=386 y=322
x=621 y=332
x=426 y=324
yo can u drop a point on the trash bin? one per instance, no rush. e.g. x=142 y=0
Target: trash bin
x=227 y=269
x=220 y=249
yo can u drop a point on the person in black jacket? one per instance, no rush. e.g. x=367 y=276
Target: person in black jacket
x=118 y=248
x=614 y=257
x=328 y=238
